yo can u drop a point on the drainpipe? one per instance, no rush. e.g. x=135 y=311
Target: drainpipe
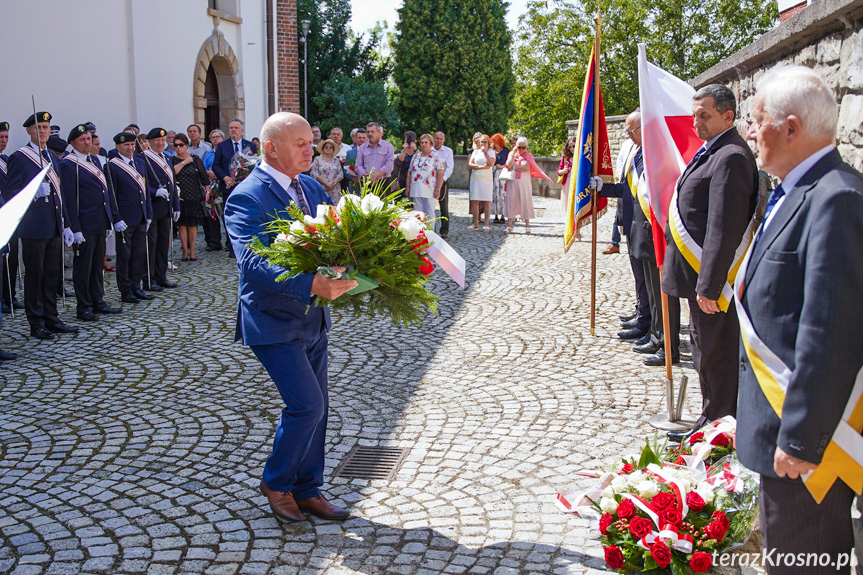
x=271 y=72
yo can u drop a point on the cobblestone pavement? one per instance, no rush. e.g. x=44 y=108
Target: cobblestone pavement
x=137 y=445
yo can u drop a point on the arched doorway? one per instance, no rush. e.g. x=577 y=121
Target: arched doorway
x=218 y=91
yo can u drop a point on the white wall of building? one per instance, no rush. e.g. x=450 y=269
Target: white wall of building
x=113 y=62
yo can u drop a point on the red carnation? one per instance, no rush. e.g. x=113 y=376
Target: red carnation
x=661 y=500
x=672 y=515
x=696 y=437
x=640 y=527
x=614 y=557
x=722 y=518
x=716 y=530
x=680 y=461
x=604 y=522
x=661 y=554
x=427 y=267
x=626 y=509
x=695 y=501
x=628 y=468
x=721 y=440
x=700 y=562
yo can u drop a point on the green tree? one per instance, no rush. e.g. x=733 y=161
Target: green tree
x=684 y=37
x=336 y=53
x=352 y=101
x=453 y=67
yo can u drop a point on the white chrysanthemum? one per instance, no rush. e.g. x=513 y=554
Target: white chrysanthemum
x=608 y=505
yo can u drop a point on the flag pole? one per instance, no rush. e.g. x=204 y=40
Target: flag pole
x=595 y=155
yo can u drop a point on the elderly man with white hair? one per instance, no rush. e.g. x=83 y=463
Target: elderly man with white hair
x=279 y=320
x=798 y=299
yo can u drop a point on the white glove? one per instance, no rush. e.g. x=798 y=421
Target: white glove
x=68 y=236
x=148 y=224
x=44 y=190
x=120 y=226
x=176 y=216
x=162 y=193
x=596 y=183
x=108 y=233
x=79 y=238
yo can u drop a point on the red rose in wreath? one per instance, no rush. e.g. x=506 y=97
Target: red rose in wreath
x=661 y=500
x=626 y=509
x=720 y=440
x=614 y=557
x=700 y=562
x=722 y=518
x=695 y=501
x=640 y=527
x=696 y=437
x=672 y=515
x=628 y=468
x=661 y=554
x=604 y=522
x=716 y=530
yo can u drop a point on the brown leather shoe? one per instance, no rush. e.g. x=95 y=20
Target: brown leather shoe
x=282 y=504
x=320 y=507
x=612 y=250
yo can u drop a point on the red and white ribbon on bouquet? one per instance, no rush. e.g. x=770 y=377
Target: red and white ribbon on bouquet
x=668 y=533
x=581 y=503
x=724 y=425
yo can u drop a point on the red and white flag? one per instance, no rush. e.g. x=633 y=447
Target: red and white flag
x=668 y=136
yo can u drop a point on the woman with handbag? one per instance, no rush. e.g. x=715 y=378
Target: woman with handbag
x=498 y=144
x=519 y=191
x=191 y=177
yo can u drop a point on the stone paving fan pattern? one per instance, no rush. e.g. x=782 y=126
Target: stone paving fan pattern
x=137 y=445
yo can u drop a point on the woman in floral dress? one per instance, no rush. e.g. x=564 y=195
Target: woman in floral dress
x=327 y=170
x=425 y=177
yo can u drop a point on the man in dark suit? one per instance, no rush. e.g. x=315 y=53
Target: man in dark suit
x=91 y=217
x=43 y=229
x=7 y=296
x=710 y=213
x=800 y=313
x=225 y=152
x=135 y=209
x=165 y=199
x=4 y=251
x=280 y=321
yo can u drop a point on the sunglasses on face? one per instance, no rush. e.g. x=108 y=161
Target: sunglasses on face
x=179 y=145
x=522 y=147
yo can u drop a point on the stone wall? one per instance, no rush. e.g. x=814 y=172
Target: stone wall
x=826 y=36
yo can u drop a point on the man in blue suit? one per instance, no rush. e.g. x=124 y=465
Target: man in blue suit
x=799 y=310
x=225 y=152
x=279 y=320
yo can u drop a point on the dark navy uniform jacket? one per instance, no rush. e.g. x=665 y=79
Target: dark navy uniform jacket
x=157 y=177
x=133 y=201
x=46 y=216
x=87 y=196
x=4 y=159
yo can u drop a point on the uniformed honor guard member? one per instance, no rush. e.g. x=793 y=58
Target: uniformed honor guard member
x=166 y=208
x=89 y=205
x=711 y=212
x=136 y=211
x=10 y=257
x=43 y=229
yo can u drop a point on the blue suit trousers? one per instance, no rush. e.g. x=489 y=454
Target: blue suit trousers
x=299 y=370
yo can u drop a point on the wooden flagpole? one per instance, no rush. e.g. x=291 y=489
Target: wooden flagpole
x=596 y=161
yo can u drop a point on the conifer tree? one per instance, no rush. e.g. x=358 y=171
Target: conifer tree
x=453 y=67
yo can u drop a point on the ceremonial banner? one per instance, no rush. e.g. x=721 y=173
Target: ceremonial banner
x=579 y=208
x=668 y=137
x=13 y=211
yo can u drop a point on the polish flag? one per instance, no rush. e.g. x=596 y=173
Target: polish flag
x=668 y=137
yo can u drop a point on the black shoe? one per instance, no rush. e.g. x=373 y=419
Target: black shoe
x=42 y=333
x=643 y=340
x=6 y=309
x=214 y=248
x=629 y=324
x=4 y=356
x=232 y=256
x=634 y=333
x=167 y=284
x=86 y=316
x=628 y=316
x=107 y=310
x=138 y=293
x=129 y=299
x=649 y=348
x=61 y=327
x=658 y=359
x=154 y=287
x=679 y=436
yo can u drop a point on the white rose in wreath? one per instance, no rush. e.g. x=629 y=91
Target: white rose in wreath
x=410 y=228
x=371 y=203
x=608 y=505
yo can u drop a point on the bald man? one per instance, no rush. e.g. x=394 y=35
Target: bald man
x=279 y=320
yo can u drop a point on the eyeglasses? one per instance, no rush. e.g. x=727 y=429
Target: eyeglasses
x=483 y=141
x=522 y=147
x=632 y=131
x=179 y=145
x=572 y=146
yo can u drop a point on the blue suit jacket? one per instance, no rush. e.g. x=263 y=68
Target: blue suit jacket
x=44 y=219
x=156 y=178
x=88 y=202
x=133 y=204
x=268 y=311
x=802 y=292
x=223 y=156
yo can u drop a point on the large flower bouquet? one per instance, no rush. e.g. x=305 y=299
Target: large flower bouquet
x=242 y=164
x=378 y=239
x=654 y=514
x=710 y=444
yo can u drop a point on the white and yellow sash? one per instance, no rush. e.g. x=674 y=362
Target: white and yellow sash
x=843 y=457
x=692 y=251
x=90 y=167
x=40 y=161
x=636 y=186
x=161 y=163
x=131 y=171
x=3 y=165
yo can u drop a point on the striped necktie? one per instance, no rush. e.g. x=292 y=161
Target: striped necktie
x=301 y=198
x=775 y=196
x=698 y=154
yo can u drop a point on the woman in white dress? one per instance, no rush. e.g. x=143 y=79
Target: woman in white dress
x=480 y=164
x=425 y=177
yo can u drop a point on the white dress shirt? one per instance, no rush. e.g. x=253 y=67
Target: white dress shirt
x=795 y=175
x=284 y=180
x=445 y=155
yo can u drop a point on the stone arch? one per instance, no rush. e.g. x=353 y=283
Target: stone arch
x=217 y=54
